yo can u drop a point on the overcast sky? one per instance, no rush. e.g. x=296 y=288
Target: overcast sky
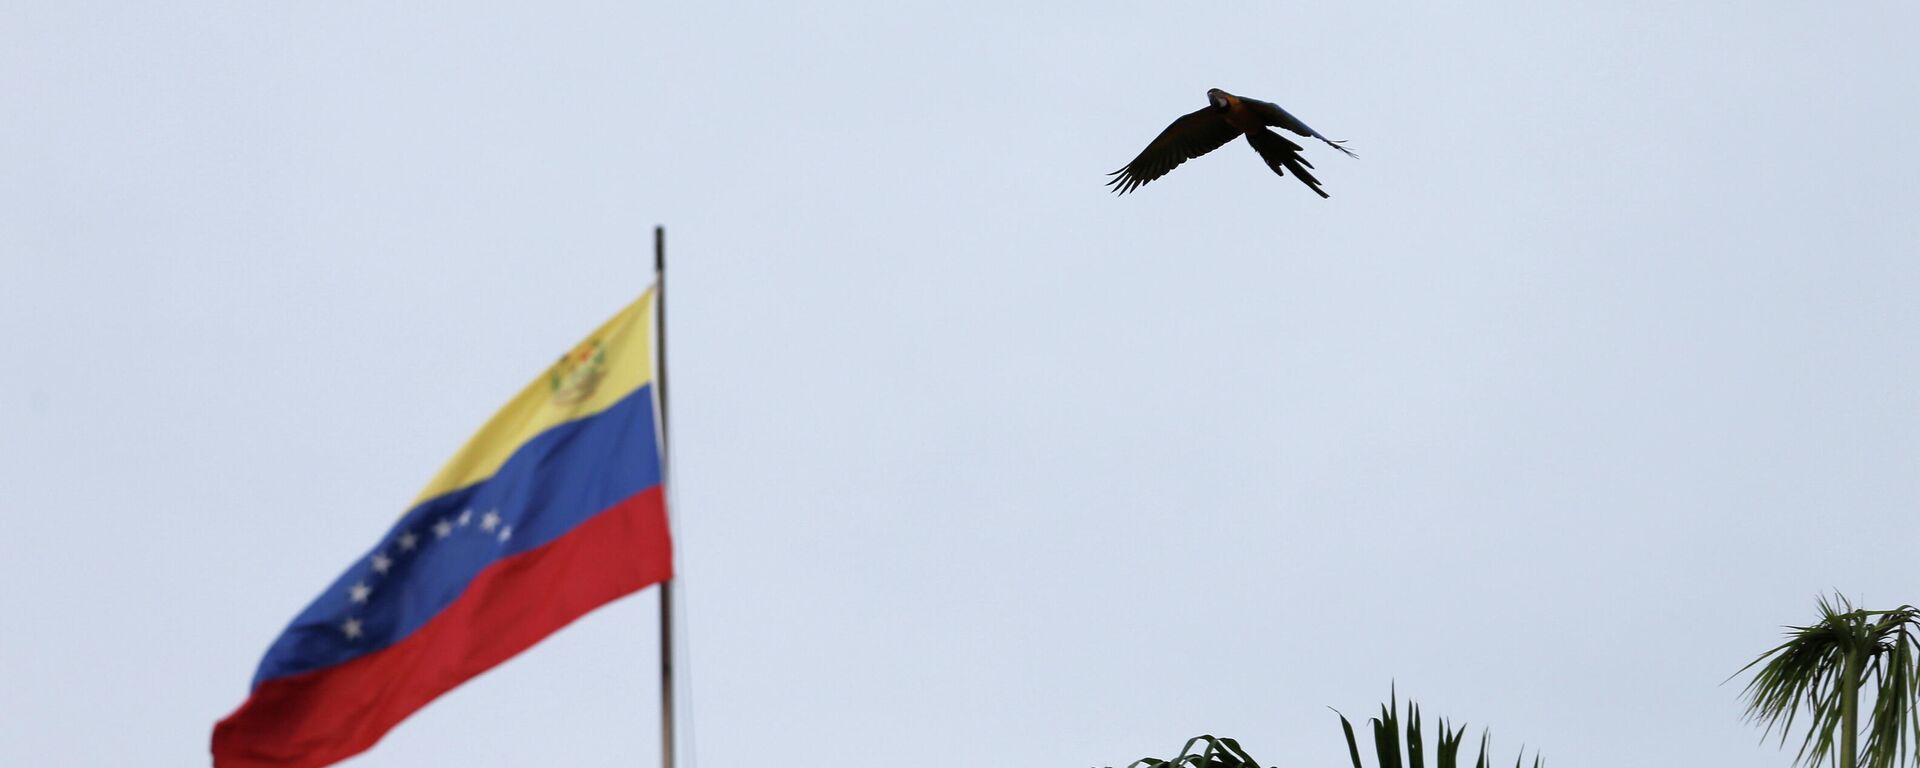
x=1602 y=362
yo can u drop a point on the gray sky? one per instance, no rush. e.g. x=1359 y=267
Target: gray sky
x=1599 y=365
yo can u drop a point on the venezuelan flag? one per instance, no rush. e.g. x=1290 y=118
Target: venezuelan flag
x=554 y=509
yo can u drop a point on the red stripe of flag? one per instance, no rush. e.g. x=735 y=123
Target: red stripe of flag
x=320 y=717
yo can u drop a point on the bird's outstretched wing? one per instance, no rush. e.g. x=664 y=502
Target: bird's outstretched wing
x=1271 y=114
x=1191 y=136
x=1280 y=152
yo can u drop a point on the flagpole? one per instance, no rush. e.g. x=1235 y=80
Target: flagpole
x=666 y=587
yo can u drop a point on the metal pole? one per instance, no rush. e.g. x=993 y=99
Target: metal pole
x=666 y=587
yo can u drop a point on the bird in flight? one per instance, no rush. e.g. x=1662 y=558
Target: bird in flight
x=1225 y=117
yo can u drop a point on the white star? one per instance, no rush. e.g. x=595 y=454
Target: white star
x=351 y=628
x=407 y=540
x=359 y=592
x=381 y=563
x=489 y=521
x=506 y=533
x=466 y=517
x=443 y=528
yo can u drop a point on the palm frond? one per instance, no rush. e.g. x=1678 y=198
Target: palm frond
x=1820 y=672
x=1387 y=741
x=1207 y=751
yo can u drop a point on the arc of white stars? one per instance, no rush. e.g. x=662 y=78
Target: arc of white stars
x=407 y=541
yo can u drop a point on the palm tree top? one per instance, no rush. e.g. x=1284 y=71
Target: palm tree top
x=1819 y=672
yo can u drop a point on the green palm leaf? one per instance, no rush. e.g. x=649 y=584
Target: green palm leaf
x=1821 y=671
x=1206 y=751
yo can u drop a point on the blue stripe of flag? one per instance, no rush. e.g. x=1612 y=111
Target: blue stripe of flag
x=554 y=482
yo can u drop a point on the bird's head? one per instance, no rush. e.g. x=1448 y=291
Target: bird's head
x=1218 y=98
